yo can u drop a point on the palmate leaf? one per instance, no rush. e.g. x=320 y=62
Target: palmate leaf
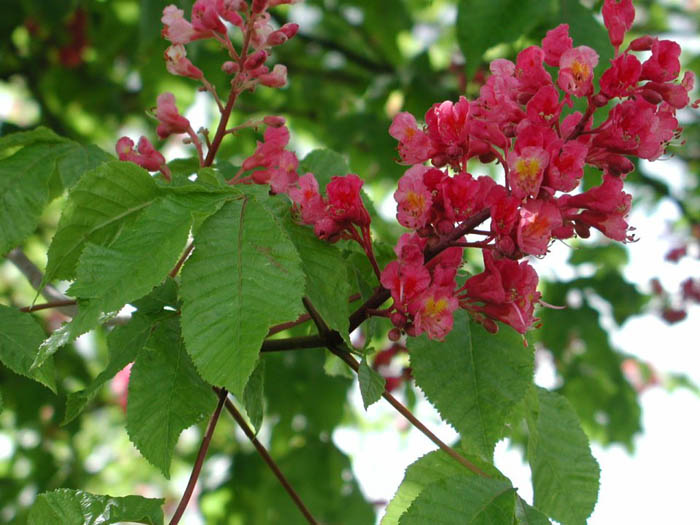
x=244 y=275
x=565 y=475
x=474 y=379
x=166 y=396
x=463 y=500
x=76 y=507
x=137 y=261
x=97 y=208
x=20 y=337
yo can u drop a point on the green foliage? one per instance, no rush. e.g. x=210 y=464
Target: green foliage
x=254 y=395
x=99 y=206
x=565 y=475
x=20 y=337
x=75 y=507
x=242 y=265
x=371 y=384
x=481 y=24
x=474 y=379
x=155 y=417
x=463 y=500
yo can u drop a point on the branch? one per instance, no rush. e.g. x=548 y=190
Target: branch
x=334 y=344
x=268 y=459
x=292 y=343
x=196 y=469
x=44 y=306
x=35 y=277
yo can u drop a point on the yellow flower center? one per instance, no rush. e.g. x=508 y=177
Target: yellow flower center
x=434 y=308
x=581 y=71
x=416 y=202
x=528 y=168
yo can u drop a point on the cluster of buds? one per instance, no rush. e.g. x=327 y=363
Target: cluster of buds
x=523 y=120
x=212 y=19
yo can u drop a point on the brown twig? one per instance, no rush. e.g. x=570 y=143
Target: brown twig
x=196 y=469
x=334 y=343
x=44 y=306
x=270 y=462
x=292 y=343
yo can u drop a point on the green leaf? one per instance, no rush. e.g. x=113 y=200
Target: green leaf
x=96 y=210
x=528 y=515
x=86 y=319
x=565 y=475
x=324 y=164
x=474 y=379
x=371 y=384
x=607 y=255
x=327 y=281
x=20 y=337
x=463 y=500
x=243 y=276
x=75 y=507
x=253 y=395
x=166 y=396
x=24 y=138
x=24 y=192
x=428 y=469
x=79 y=159
x=124 y=343
x=481 y=24
x=137 y=261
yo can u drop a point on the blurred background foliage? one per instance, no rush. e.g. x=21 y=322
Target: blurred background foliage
x=89 y=69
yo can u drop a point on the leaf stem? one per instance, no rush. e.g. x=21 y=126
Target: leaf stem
x=181 y=260
x=268 y=459
x=334 y=343
x=197 y=468
x=292 y=343
x=53 y=304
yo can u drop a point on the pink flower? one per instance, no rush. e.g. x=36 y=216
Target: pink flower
x=266 y=153
x=576 y=71
x=530 y=72
x=464 y=196
x=170 y=120
x=622 y=76
x=228 y=10
x=404 y=281
x=147 y=157
x=205 y=17
x=177 y=63
x=566 y=166
x=663 y=65
x=413 y=198
x=544 y=108
x=537 y=220
x=276 y=78
x=555 y=43
x=506 y=291
x=176 y=28
x=414 y=144
x=344 y=201
x=618 y=18
x=307 y=198
x=432 y=312
x=526 y=170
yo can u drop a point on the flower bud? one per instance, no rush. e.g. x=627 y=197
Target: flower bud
x=290 y=29
x=394 y=334
x=643 y=43
x=276 y=38
x=274 y=121
x=259 y=6
x=600 y=100
x=276 y=78
x=229 y=67
x=651 y=96
x=255 y=60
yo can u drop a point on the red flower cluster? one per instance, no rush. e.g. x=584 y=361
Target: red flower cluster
x=522 y=119
x=209 y=19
